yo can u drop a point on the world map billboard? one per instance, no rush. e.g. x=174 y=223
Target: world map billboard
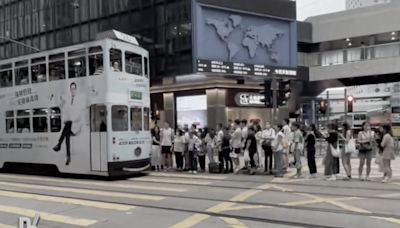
x=235 y=42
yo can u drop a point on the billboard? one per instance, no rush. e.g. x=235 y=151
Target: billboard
x=234 y=42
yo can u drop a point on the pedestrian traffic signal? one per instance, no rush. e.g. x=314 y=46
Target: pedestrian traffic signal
x=350 y=100
x=266 y=92
x=155 y=115
x=284 y=92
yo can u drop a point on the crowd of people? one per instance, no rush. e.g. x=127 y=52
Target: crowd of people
x=272 y=149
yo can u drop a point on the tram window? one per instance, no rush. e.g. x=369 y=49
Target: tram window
x=38 y=73
x=146 y=67
x=56 y=67
x=77 y=67
x=119 y=116
x=116 y=60
x=98 y=118
x=40 y=124
x=10 y=128
x=55 y=119
x=136 y=119
x=96 y=66
x=133 y=63
x=21 y=76
x=23 y=121
x=146 y=119
x=5 y=78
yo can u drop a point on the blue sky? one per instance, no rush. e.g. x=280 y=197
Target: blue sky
x=308 y=8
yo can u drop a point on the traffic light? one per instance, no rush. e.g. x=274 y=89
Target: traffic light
x=350 y=100
x=284 y=92
x=266 y=92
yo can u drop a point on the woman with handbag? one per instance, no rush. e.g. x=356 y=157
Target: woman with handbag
x=366 y=138
x=331 y=160
x=347 y=150
x=387 y=153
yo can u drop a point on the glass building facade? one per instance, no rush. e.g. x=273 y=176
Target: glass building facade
x=161 y=26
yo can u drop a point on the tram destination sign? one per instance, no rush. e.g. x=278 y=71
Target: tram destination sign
x=243 y=69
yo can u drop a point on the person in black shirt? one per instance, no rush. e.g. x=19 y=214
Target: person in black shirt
x=156 y=149
x=331 y=163
x=310 y=142
x=226 y=149
x=251 y=146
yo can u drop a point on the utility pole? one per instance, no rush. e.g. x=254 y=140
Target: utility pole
x=328 y=107
x=345 y=105
x=274 y=99
x=20 y=43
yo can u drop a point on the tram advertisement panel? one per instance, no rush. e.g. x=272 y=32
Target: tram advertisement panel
x=48 y=122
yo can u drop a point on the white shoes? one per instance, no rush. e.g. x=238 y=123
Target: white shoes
x=386 y=180
x=332 y=178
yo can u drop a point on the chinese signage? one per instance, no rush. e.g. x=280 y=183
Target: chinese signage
x=249 y=99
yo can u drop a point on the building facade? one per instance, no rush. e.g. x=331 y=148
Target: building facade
x=353 y=4
x=165 y=28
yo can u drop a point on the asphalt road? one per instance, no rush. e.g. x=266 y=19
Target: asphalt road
x=171 y=199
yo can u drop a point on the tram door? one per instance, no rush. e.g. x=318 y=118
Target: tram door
x=98 y=137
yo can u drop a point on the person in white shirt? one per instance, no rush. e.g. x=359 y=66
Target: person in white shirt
x=179 y=148
x=287 y=132
x=72 y=110
x=211 y=144
x=193 y=147
x=245 y=132
x=167 y=137
x=278 y=146
x=260 y=153
x=236 y=143
x=268 y=135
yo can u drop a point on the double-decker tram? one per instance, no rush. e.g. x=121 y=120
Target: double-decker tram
x=83 y=109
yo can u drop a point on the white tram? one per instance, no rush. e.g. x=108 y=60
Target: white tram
x=83 y=108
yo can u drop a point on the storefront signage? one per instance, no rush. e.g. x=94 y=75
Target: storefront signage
x=249 y=99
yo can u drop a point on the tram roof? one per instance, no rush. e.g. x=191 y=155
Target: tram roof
x=117 y=35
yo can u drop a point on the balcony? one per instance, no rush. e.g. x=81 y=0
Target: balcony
x=353 y=62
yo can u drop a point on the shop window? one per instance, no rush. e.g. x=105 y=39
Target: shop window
x=146 y=119
x=10 y=126
x=23 y=121
x=55 y=119
x=40 y=123
x=56 y=67
x=116 y=60
x=136 y=119
x=5 y=78
x=76 y=64
x=119 y=115
x=133 y=63
x=38 y=70
x=96 y=65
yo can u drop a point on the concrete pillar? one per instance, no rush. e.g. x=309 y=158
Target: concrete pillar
x=216 y=107
x=169 y=108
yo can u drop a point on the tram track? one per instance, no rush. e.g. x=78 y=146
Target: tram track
x=210 y=199
x=221 y=214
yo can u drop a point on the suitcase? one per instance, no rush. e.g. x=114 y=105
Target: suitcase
x=213 y=167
